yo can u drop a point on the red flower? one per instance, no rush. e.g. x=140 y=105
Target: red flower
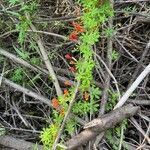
x=72 y=69
x=78 y=27
x=66 y=92
x=55 y=103
x=67 y=83
x=73 y=36
x=68 y=56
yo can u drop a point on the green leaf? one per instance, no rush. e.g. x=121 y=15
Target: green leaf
x=22 y=53
x=13 y=1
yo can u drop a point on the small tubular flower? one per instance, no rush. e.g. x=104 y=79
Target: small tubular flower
x=66 y=92
x=62 y=111
x=73 y=36
x=78 y=27
x=55 y=103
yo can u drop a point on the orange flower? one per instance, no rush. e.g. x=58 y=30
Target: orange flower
x=72 y=69
x=86 y=96
x=78 y=27
x=73 y=36
x=55 y=103
x=67 y=83
x=66 y=92
x=62 y=112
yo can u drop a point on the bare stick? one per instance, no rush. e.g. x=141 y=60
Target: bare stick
x=17 y=59
x=66 y=116
x=37 y=68
x=34 y=68
x=107 y=121
x=109 y=63
x=49 y=33
x=135 y=84
x=145 y=52
x=46 y=60
x=38 y=31
x=107 y=79
x=18 y=144
x=109 y=72
x=26 y=91
x=138 y=127
x=131 y=1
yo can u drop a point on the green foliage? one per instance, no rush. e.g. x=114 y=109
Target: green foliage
x=35 y=61
x=109 y=32
x=57 y=117
x=1 y=59
x=2 y=130
x=113 y=135
x=70 y=126
x=48 y=135
x=22 y=27
x=113 y=97
x=93 y=16
x=83 y=107
x=22 y=53
x=18 y=75
x=95 y=92
x=90 y=38
x=24 y=23
x=85 y=73
x=115 y=55
x=30 y=7
x=13 y=1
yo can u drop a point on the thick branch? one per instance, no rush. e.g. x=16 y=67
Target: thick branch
x=18 y=144
x=93 y=128
x=26 y=91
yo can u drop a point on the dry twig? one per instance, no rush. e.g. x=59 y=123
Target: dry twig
x=46 y=60
x=26 y=91
x=135 y=84
x=18 y=144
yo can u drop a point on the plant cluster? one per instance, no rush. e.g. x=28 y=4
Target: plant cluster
x=85 y=33
x=114 y=135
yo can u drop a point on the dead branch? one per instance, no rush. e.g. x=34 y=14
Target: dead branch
x=40 y=70
x=18 y=144
x=34 y=68
x=46 y=60
x=26 y=91
x=134 y=85
x=107 y=121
